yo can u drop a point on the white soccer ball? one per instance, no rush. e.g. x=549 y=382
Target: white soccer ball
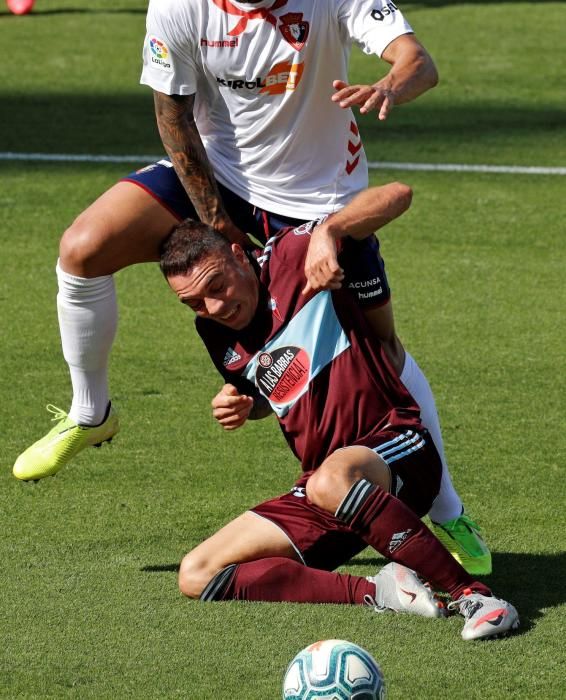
x=333 y=670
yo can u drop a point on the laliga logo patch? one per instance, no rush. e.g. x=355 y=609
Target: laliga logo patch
x=294 y=29
x=159 y=54
x=283 y=373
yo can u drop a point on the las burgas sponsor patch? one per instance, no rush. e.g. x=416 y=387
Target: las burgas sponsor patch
x=283 y=373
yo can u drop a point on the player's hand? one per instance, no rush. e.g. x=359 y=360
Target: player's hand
x=233 y=234
x=322 y=269
x=230 y=408
x=367 y=97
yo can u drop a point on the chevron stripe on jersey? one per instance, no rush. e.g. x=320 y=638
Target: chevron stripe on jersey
x=287 y=364
x=401 y=446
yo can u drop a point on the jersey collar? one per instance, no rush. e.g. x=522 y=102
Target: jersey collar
x=257 y=12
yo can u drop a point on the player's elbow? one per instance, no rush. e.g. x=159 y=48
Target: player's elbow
x=424 y=68
x=429 y=71
x=434 y=78
x=403 y=195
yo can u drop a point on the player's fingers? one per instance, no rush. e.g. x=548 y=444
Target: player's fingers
x=334 y=266
x=347 y=95
x=228 y=416
x=229 y=403
x=373 y=101
x=232 y=419
x=385 y=109
x=339 y=84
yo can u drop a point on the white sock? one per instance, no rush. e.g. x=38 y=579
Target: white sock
x=88 y=317
x=447 y=504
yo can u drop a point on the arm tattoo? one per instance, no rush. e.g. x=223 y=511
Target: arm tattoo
x=184 y=146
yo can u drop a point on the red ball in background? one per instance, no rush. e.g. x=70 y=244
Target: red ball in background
x=20 y=7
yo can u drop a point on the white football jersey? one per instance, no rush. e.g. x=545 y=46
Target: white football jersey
x=262 y=74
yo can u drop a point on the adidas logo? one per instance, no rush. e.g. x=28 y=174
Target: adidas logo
x=398 y=539
x=398 y=485
x=230 y=357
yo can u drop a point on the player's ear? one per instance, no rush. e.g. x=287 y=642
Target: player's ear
x=238 y=252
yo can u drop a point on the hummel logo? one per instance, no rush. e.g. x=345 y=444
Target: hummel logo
x=398 y=539
x=230 y=357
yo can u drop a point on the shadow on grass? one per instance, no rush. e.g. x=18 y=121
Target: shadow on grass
x=125 y=124
x=157 y=568
x=531 y=582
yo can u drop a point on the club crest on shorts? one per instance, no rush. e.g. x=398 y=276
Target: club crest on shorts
x=294 y=29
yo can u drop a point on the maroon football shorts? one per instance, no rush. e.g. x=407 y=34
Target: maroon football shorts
x=324 y=542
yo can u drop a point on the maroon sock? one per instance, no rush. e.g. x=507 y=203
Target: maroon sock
x=278 y=579
x=390 y=527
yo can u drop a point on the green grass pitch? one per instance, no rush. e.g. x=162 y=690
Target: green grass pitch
x=88 y=601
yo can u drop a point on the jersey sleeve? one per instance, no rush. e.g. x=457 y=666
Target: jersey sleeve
x=372 y=24
x=213 y=335
x=169 y=64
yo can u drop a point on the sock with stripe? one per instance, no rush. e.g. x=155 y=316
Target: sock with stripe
x=390 y=527
x=277 y=579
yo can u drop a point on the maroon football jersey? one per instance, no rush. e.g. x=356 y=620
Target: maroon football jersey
x=312 y=357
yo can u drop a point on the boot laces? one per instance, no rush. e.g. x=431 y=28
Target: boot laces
x=58 y=413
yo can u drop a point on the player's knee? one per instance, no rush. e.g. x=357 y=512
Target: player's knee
x=194 y=575
x=80 y=249
x=322 y=486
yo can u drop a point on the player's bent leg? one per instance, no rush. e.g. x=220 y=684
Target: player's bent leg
x=337 y=486
x=247 y=538
x=251 y=559
x=122 y=227
x=457 y=532
x=330 y=483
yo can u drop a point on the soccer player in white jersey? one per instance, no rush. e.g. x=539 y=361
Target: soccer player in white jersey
x=254 y=109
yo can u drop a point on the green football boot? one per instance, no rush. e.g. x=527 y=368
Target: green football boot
x=66 y=439
x=462 y=538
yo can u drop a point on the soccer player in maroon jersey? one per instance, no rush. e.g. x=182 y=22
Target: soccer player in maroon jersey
x=370 y=468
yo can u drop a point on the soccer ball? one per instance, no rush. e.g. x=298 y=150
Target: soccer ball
x=20 y=7
x=333 y=670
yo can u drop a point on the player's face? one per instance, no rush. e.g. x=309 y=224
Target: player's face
x=223 y=288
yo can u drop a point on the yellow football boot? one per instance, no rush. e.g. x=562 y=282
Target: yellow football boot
x=66 y=439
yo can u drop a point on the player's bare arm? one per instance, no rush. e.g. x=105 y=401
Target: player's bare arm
x=182 y=141
x=369 y=211
x=412 y=73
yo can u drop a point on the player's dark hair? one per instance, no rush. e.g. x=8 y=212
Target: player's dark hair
x=188 y=243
